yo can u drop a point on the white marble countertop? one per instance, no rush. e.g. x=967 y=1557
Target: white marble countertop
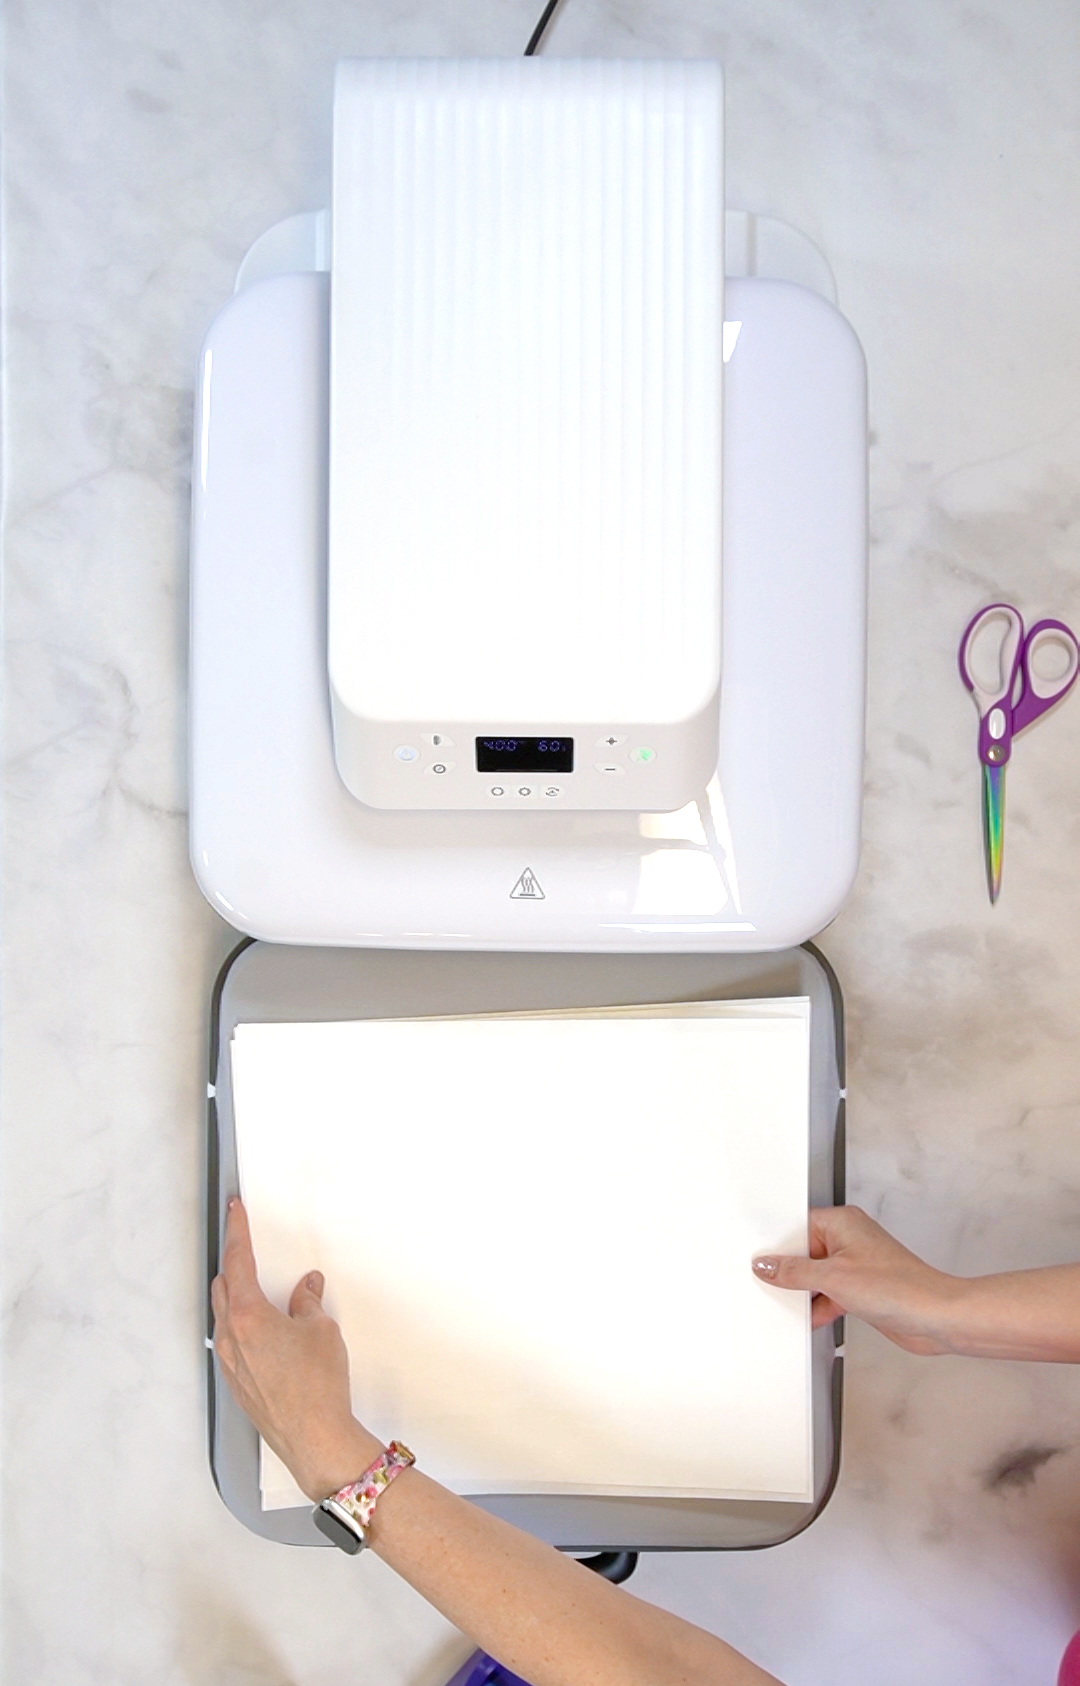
x=930 y=149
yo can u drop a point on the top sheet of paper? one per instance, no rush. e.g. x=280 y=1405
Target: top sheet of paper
x=536 y=1233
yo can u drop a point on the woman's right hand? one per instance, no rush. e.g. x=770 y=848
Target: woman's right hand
x=856 y=1267
x=288 y=1371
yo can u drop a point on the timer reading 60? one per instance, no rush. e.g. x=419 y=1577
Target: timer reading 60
x=524 y=755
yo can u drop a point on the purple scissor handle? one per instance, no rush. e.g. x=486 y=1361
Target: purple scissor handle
x=1034 y=701
x=1020 y=696
x=1009 y=704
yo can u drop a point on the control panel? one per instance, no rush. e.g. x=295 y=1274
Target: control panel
x=620 y=766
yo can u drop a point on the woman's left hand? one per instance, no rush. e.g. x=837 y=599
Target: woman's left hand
x=857 y=1268
x=290 y=1373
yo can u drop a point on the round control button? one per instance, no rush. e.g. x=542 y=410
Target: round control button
x=440 y=767
x=612 y=741
x=552 y=790
x=524 y=789
x=497 y=790
x=406 y=752
x=437 y=740
x=643 y=755
x=612 y=768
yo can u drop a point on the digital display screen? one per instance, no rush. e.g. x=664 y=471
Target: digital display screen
x=525 y=755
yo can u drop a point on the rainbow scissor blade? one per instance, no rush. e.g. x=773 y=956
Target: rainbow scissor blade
x=993 y=826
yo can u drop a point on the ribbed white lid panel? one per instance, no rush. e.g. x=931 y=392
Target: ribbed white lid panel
x=527 y=303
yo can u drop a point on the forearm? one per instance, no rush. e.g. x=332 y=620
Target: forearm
x=1025 y=1314
x=542 y=1615
x=545 y=1617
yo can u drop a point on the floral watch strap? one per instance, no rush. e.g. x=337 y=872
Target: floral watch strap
x=361 y=1497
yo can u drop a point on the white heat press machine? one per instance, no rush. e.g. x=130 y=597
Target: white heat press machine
x=528 y=614
x=528 y=573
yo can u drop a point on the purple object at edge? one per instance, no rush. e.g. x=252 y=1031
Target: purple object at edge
x=482 y=1670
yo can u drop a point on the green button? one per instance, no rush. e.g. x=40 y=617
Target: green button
x=643 y=754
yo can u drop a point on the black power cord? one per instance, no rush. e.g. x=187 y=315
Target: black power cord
x=538 y=33
x=616 y=1566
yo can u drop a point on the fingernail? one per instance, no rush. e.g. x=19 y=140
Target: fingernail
x=766 y=1268
x=316 y=1282
x=231 y=1202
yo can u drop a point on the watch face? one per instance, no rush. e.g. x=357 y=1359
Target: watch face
x=337 y=1532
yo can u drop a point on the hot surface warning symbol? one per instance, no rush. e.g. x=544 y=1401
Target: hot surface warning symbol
x=527 y=888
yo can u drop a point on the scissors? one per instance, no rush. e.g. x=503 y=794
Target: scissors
x=1013 y=702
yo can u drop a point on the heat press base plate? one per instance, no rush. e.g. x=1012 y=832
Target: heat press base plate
x=766 y=854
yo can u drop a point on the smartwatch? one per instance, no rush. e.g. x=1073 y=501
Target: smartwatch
x=344 y=1518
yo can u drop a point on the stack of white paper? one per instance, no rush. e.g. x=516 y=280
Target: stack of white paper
x=536 y=1233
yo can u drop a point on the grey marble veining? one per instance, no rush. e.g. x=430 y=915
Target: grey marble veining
x=931 y=150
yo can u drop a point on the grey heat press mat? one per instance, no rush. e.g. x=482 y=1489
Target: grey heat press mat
x=264 y=982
